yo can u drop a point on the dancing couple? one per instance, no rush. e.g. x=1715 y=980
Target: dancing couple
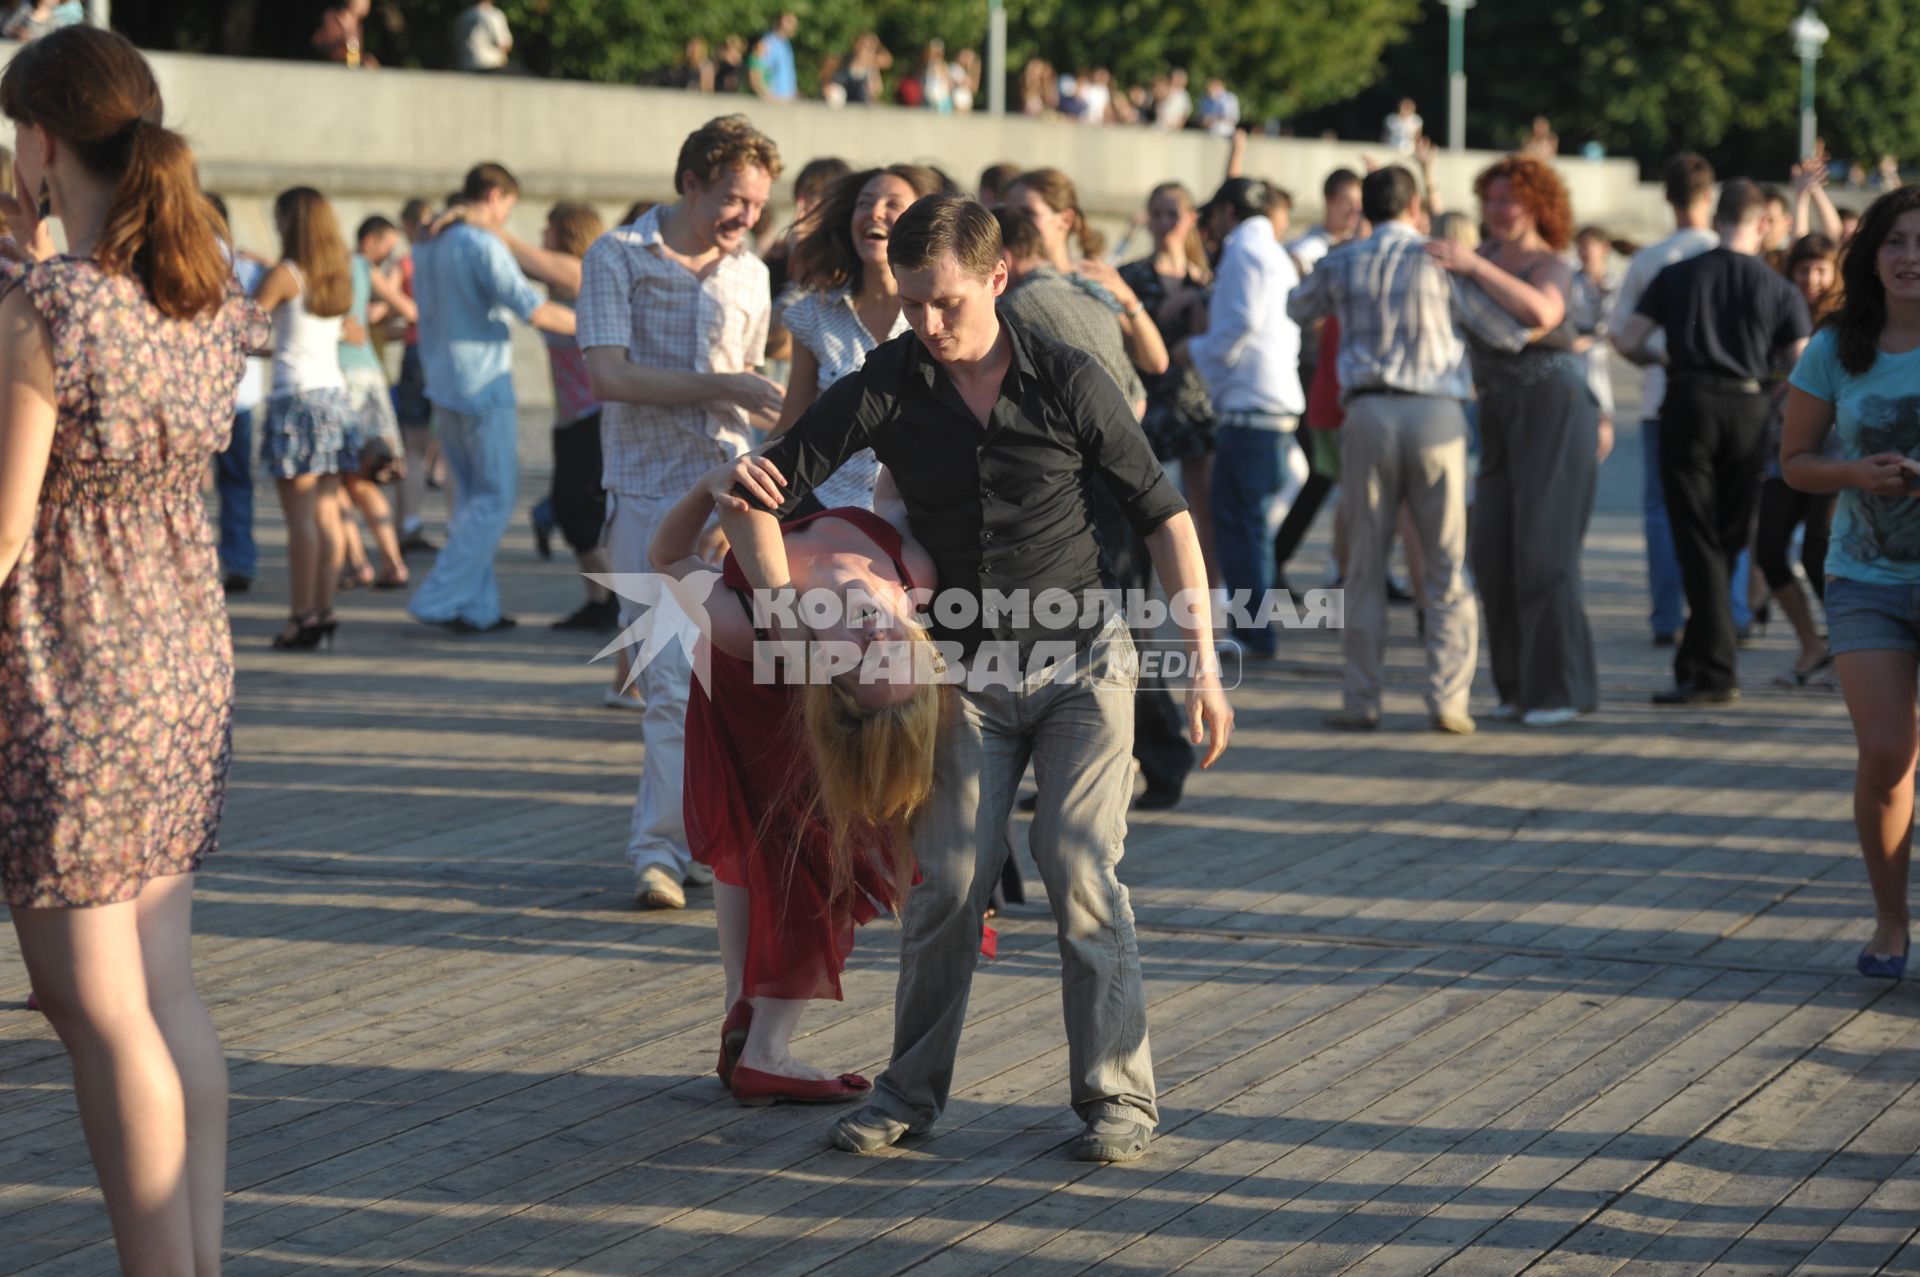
x=819 y=804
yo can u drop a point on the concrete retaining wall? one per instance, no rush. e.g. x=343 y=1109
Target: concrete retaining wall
x=372 y=139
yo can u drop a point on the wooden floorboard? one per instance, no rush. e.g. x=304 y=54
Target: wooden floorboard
x=1568 y=1003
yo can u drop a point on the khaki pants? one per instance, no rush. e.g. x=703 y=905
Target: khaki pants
x=1411 y=448
x=1078 y=736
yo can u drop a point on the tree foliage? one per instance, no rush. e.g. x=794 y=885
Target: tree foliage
x=1649 y=77
x=1641 y=77
x=1281 y=58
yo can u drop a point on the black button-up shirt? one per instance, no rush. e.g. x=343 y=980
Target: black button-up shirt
x=1001 y=507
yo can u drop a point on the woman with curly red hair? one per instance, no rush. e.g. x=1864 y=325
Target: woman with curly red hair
x=1540 y=451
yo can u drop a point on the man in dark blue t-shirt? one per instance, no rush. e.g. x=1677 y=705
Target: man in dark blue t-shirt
x=1727 y=316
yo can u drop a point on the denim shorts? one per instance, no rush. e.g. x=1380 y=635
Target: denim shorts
x=1864 y=617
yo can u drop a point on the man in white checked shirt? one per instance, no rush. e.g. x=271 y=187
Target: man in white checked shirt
x=1403 y=379
x=673 y=317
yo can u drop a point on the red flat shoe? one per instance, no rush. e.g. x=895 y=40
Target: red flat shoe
x=733 y=1038
x=752 y=1088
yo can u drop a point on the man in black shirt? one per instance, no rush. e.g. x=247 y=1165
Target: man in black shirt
x=1727 y=317
x=992 y=434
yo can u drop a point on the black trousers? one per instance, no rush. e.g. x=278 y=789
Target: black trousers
x=1313 y=494
x=1713 y=439
x=1160 y=743
x=1781 y=510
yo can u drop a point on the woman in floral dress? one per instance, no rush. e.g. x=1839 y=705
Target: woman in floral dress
x=118 y=366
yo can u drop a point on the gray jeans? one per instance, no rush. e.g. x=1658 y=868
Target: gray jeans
x=1079 y=736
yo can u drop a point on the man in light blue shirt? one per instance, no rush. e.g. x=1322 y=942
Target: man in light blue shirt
x=465 y=284
x=770 y=68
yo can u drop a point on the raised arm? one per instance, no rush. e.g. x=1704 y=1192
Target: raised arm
x=393 y=296
x=1145 y=347
x=554 y=269
x=1540 y=306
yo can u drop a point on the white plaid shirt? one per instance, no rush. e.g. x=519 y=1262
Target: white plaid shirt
x=1401 y=316
x=636 y=298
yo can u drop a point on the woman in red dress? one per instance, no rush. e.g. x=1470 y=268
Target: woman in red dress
x=798 y=793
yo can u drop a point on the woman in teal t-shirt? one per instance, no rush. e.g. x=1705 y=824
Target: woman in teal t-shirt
x=1860 y=375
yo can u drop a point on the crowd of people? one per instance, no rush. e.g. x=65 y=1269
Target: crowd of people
x=482 y=37
x=969 y=405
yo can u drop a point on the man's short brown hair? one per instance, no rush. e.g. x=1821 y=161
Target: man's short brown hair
x=1019 y=237
x=484 y=179
x=1689 y=179
x=724 y=144
x=943 y=224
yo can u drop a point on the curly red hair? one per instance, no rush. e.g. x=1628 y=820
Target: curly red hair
x=1540 y=190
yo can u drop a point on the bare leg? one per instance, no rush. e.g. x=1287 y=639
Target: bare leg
x=297 y=501
x=1879 y=687
x=86 y=967
x=622 y=668
x=1793 y=602
x=596 y=560
x=166 y=932
x=413 y=484
x=353 y=554
x=731 y=915
x=373 y=507
x=331 y=543
x=770 y=1039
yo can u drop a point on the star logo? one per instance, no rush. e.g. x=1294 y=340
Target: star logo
x=668 y=611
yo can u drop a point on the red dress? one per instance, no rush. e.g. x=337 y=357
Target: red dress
x=747 y=775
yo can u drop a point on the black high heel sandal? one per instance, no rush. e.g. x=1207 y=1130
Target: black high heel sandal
x=309 y=632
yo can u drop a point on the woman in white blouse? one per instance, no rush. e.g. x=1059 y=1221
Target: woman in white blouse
x=852 y=304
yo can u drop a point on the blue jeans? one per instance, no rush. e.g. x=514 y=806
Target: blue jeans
x=1663 y=564
x=233 y=478
x=483 y=460
x=1249 y=472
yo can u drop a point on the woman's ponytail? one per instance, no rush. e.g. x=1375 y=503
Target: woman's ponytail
x=91 y=89
x=160 y=227
x=1092 y=242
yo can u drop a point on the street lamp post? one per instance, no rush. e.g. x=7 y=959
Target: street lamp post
x=1457 y=73
x=996 y=57
x=1809 y=38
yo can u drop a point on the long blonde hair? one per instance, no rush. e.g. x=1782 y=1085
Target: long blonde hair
x=310 y=238
x=873 y=770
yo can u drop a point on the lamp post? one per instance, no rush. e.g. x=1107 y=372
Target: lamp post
x=996 y=57
x=1809 y=37
x=1457 y=73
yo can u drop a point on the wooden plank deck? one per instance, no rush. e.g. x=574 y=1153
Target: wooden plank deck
x=1567 y=1003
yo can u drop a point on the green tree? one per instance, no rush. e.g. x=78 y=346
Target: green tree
x=1649 y=77
x=1280 y=58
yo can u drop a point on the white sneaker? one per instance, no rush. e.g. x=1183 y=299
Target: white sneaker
x=1502 y=713
x=658 y=889
x=698 y=875
x=1549 y=717
x=620 y=700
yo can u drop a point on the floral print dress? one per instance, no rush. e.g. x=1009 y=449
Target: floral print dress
x=116 y=661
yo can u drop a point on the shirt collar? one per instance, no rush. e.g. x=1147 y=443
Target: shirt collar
x=1257 y=227
x=1397 y=227
x=650 y=230
x=927 y=368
